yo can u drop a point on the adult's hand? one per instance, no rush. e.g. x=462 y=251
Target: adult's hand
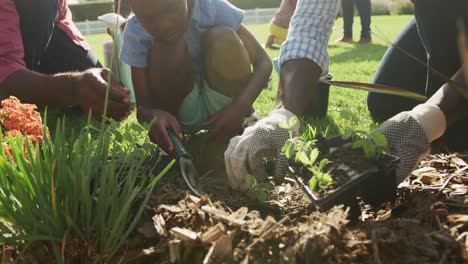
x=410 y=133
x=91 y=92
x=246 y=152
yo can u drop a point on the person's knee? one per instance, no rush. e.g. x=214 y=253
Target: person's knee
x=227 y=62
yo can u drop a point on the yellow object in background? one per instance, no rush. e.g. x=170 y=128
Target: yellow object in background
x=279 y=33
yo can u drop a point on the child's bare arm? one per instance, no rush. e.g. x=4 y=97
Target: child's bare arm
x=226 y=122
x=147 y=113
x=261 y=67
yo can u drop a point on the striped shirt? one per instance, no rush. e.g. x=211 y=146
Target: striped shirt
x=310 y=31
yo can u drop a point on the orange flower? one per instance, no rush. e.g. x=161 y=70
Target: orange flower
x=21 y=119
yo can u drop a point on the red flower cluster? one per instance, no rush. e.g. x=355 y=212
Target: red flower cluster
x=21 y=119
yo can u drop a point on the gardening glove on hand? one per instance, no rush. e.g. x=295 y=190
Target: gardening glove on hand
x=410 y=133
x=264 y=139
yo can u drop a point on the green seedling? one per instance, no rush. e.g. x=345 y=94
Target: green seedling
x=258 y=191
x=373 y=144
x=320 y=178
x=305 y=153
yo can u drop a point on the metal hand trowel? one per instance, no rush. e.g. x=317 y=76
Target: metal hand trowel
x=187 y=169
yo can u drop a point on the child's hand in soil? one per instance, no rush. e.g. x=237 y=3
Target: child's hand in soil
x=158 y=131
x=91 y=89
x=410 y=133
x=227 y=122
x=264 y=139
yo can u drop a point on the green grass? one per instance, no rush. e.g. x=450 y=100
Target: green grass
x=349 y=62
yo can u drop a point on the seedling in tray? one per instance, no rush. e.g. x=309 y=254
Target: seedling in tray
x=306 y=153
x=337 y=170
x=373 y=144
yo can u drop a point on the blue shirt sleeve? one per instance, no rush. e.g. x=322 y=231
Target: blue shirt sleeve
x=136 y=44
x=227 y=14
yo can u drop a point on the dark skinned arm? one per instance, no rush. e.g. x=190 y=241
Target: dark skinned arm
x=146 y=113
x=297 y=79
x=227 y=121
x=450 y=101
x=63 y=87
x=262 y=67
x=86 y=89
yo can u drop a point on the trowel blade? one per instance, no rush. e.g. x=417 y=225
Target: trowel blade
x=190 y=175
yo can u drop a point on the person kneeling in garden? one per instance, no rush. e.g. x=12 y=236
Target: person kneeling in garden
x=191 y=67
x=304 y=59
x=46 y=61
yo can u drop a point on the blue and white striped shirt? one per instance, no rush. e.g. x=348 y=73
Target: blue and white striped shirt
x=310 y=31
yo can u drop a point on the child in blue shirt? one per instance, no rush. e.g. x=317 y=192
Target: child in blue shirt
x=194 y=66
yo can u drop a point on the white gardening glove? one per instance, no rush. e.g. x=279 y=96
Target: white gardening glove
x=264 y=139
x=410 y=133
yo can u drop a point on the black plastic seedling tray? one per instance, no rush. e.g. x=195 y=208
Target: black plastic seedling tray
x=375 y=185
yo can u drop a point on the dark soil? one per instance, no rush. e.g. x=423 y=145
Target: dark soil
x=426 y=224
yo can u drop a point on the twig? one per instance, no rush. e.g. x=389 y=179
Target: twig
x=447 y=182
x=266 y=233
x=461 y=170
x=375 y=248
x=438 y=222
x=3 y=253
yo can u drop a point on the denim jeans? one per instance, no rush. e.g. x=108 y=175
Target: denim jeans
x=432 y=37
x=364 y=9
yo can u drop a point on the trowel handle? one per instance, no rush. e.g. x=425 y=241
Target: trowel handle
x=179 y=148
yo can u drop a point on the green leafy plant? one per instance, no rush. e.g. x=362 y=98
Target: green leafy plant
x=305 y=153
x=77 y=197
x=320 y=179
x=258 y=191
x=373 y=144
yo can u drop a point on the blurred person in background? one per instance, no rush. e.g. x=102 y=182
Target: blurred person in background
x=364 y=9
x=279 y=24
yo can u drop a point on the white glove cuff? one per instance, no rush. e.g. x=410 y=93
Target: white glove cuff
x=283 y=115
x=431 y=119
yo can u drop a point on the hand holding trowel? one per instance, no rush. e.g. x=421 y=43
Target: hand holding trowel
x=187 y=169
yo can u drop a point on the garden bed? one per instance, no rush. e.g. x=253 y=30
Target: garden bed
x=427 y=224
